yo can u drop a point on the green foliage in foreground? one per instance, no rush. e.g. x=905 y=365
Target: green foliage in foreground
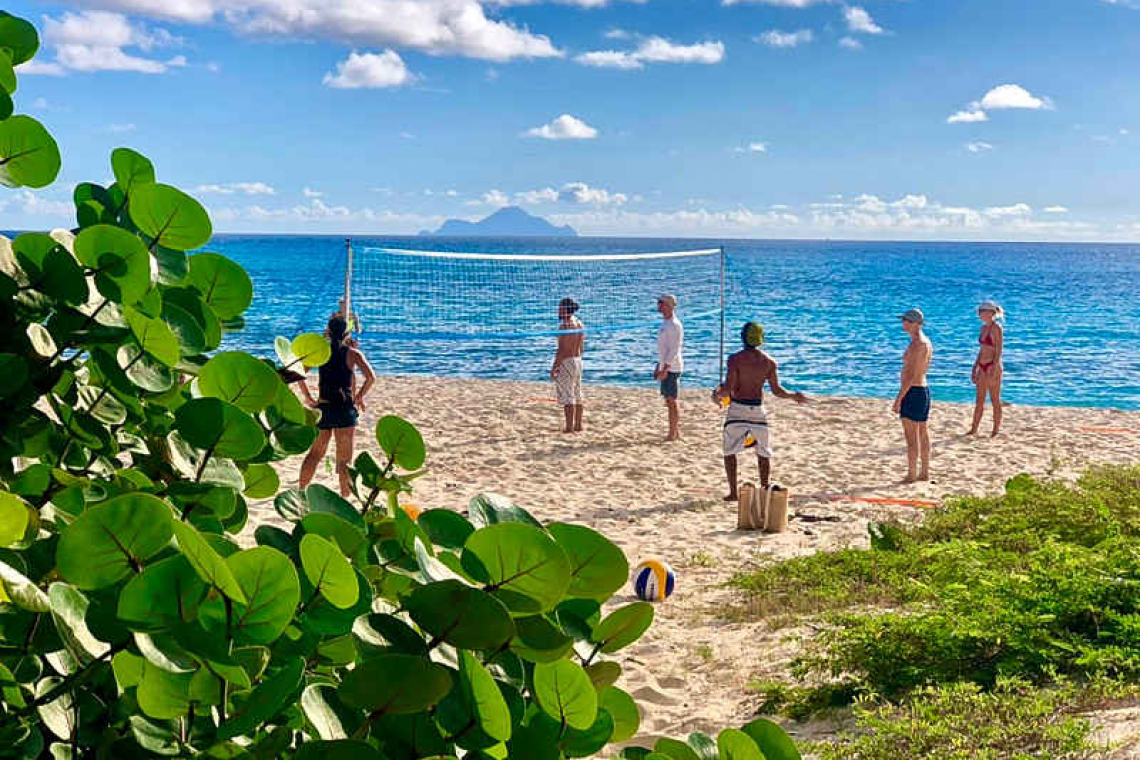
x=1040 y=585
x=133 y=625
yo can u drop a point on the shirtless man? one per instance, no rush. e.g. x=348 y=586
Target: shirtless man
x=566 y=372
x=748 y=370
x=913 y=402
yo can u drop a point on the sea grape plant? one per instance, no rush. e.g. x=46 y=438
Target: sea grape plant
x=137 y=617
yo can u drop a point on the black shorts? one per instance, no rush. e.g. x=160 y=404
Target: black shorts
x=335 y=416
x=916 y=404
x=671 y=385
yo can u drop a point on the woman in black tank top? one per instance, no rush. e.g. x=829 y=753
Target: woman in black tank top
x=337 y=403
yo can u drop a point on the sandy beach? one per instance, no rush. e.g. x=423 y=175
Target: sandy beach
x=656 y=499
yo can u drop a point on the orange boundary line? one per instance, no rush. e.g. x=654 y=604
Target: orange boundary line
x=886 y=500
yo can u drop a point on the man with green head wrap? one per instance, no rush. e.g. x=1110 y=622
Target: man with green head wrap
x=748 y=370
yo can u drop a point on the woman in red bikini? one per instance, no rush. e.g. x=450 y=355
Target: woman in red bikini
x=987 y=369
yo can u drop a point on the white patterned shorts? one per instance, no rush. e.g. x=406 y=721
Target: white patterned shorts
x=568 y=381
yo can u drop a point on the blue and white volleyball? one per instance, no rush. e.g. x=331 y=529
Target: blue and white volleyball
x=653 y=580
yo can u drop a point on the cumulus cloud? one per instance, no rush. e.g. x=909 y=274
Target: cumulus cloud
x=979 y=147
x=1055 y=210
x=654 y=50
x=535 y=197
x=309 y=192
x=236 y=188
x=32 y=204
x=1017 y=209
x=118 y=129
x=95 y=40
x=580 y=192
x=850 y=43
x=777 y=39
x=860 y=21
x=565 y=127
x=752 y=147
x=369 y=70
x=1002 y=97
x=436 y=27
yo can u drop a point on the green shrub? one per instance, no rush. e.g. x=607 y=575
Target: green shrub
x=133 y=625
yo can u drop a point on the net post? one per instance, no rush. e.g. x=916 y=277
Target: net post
x=348 y=283
x=720 y=376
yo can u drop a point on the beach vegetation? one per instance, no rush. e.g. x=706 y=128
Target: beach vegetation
x=1015 y=602
x=136 y=618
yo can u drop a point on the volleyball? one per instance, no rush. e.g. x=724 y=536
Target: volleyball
x=653 y=580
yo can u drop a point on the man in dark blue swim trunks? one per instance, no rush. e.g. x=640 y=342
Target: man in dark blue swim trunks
x=913 y=402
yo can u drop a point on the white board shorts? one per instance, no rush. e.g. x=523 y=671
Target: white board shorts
x=568 y=381
x=742 y=421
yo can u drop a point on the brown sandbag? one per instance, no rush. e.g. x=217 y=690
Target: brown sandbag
x=775 y=509
x=746 y=514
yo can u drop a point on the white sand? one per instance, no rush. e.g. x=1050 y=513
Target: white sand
x=655 y=499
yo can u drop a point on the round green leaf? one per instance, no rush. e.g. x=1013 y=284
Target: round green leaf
x=677 y=750
x=6 y=105
x=586 y=743
x=483 y=696
x=162 y=694
x=224 y=285
x=19 y=37
x=312 y=349
x=154 y=337
x=734 y=744
x=50 y=267
x=131 y=169
x=190 y=301
x=539 y=640
x=191 y=337
x=13 y=374
x=400 y=440
x=491 y=508
x=69 y=611
x=14 y=517
x=291 y=505
x=598 y=568
x=323 y=499
x=603 y=674
x=272 y=591
x=7 y=75
x=41 y=340
x=122 y=262
x=773 y=741
x=328 y=571
x=110 y=540
x=220 y=428
x=193 y=464
x=261 y=481
x=465 y=617
x=208 y=563
x=704 y=746
x=622 y=708
x=270 y=697
x=142 y=370
x=238 y=378
x=169 y=216
x=564 y=692
x=623 y=626
x=445 y=528
x=520 y=564
x=165 y=594
x=21 y=591
x=29 y=155
x=395 y=684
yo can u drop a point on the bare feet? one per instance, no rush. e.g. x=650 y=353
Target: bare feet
x=973 y=431
x=578 y=429
x=924 y=476
x=995 y=434
x=910 y=479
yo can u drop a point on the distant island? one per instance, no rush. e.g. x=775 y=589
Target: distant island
x=508 y=221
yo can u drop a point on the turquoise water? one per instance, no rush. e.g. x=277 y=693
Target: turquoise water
x=829 y=309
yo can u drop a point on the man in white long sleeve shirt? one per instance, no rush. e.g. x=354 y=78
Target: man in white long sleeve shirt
x=670 y=363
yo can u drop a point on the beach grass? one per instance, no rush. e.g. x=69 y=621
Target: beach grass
x=1015 y=611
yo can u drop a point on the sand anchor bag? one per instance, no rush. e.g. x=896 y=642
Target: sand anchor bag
x=765 y=510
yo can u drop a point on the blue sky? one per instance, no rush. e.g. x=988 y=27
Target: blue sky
x=891 y=119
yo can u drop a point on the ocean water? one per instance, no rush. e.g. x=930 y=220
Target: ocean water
x=829 y=309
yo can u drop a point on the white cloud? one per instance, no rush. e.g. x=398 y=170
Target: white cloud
x=1017 y=209
x=534 y=197
x=118 y=129
x=491 y=198
x=970 y=116
x=1013 y=96
x=1055 y=210
x=782 y=3
x=752 y=147
x=654 y=50
x=778 y=39
x=369 y=70
x=565 y=127
x=436 y=27
x=213 y=67
x=94 y=40
x=850 y=43
x=42 y=68
x=616 y=34
x=30 y=203
x=236 y=188
x=580 y=192
x=860 y=21
x=308 y=192
x=979 y=147
x=1124 y=131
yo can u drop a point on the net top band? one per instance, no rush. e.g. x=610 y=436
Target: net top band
x=544 y=257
